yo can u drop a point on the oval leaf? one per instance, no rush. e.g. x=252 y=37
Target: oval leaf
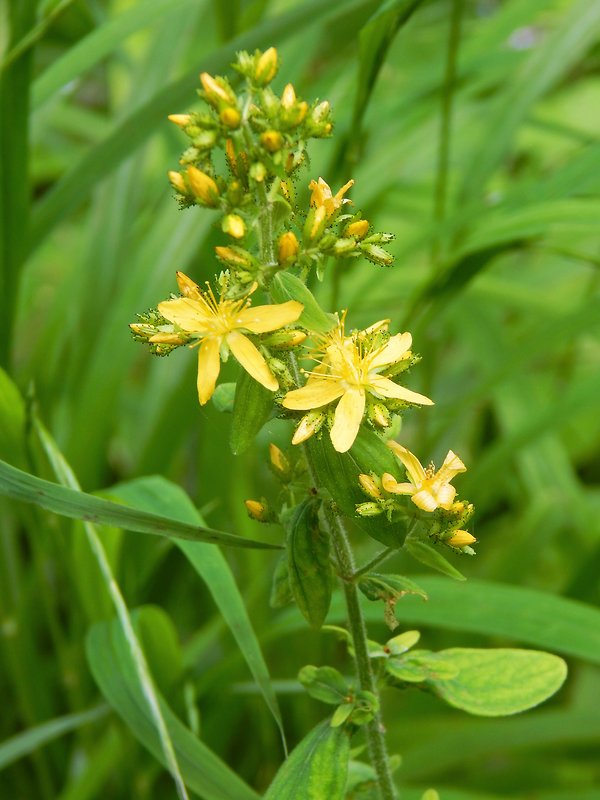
x=288 y=287
x=308 y=563
x=317 y=767
x=428 y=555
x=493 y=683
x=252 y=407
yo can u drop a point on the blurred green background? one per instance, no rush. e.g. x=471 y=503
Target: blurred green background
x=471 y=128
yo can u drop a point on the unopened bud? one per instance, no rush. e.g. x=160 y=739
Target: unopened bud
x=461 y=539
x=279 y=462
x=167 y=338
x=271 y=141
x=309 y=425
x=258 y=172
x=235 y=257
x=369 y=509
x=369 y=486
x=218 y=93
x=358 y=229
x=177 y=181
x=288 y=97
x=233 y=225
x=257 y=510
x=266 y=67
x=285 y=339
x=230 y=117
x=343 y=246
x=287 y=247
x=203 y=186
x=316 y=222
x=377 y=254
x=181 y=120
x=380 y=416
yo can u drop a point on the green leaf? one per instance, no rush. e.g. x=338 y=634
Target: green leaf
x=112 y=666
x=431 y=557
x=324 y=683
x=31 y=740
x=12 y=420
x=493 y=683
x=316 y=768
x=375 y=39
x=377 y=586
x=286 y=286
x=252 y=407
x=338 y=473
x=420 y=665
x=78 y=505
x=281 y=591
x=161 y=495
x=309 y=568
x=223 y=397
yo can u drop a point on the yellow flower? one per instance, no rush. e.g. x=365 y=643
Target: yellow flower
x=428 y=489
x=350 y=367
x=322 y=196
x=219 y=326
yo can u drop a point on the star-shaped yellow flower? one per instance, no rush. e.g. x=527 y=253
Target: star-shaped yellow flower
x=351 y=367
x=220 y=326
x=428 y=489
x=322 y=196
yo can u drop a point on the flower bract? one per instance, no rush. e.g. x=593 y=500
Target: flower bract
x=428 y=489
x=221 y=326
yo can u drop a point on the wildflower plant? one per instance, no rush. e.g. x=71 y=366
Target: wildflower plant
x=342 y=389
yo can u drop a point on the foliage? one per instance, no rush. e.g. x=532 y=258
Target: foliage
x=470 y=130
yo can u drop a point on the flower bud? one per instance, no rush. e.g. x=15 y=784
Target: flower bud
x=177 y=181
x=343 y=246
x=358 y=229
x=205 y=140
x=285 y=339
x=377 y=254
x=279 y=462
x=181 y=120
x=271 y=140
x=369 y=486
x=235 y=257
x=316 y=222
x=217 y=91
x=203 y=186
x=380 y=416
x=258 y=172
x=461 y=539
x=288 y=97
x=309 y=424
x=230 y=117
x=369 y=509
x=287 y=247
x=266 y=67
x=257 y=510
x=233 y=225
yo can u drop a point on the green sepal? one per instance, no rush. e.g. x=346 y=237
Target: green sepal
x=309 y=567
x=252 y=407
x=338 y=473
x=286 y=286
x=422 y=551
x=325 y=684
x=281 y=591
x=317 y=767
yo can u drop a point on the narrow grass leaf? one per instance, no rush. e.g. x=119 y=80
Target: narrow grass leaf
x=78 y=505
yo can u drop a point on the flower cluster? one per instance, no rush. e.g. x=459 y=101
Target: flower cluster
x=351 y=378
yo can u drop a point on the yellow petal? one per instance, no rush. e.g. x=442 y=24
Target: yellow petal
x=314 y=394
x=251 y=360
x=341 y=192
x=347 y=419
x=395 y=350
x=424 y=500
x=444 y=495
x=187 y=287
x=260 y=319
x=452 y=466
x=391 y=485
x=209 y=365
x=387 y=388
x=413 y=466
x=190 y=315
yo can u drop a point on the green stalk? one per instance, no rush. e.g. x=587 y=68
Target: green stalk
x=344 y=558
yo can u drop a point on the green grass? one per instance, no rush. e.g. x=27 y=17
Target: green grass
x=471 y=132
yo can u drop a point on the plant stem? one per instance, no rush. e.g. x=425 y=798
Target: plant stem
x=344 y=558
x=374 y=562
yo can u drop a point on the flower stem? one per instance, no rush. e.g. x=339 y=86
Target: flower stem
x=382 y=556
